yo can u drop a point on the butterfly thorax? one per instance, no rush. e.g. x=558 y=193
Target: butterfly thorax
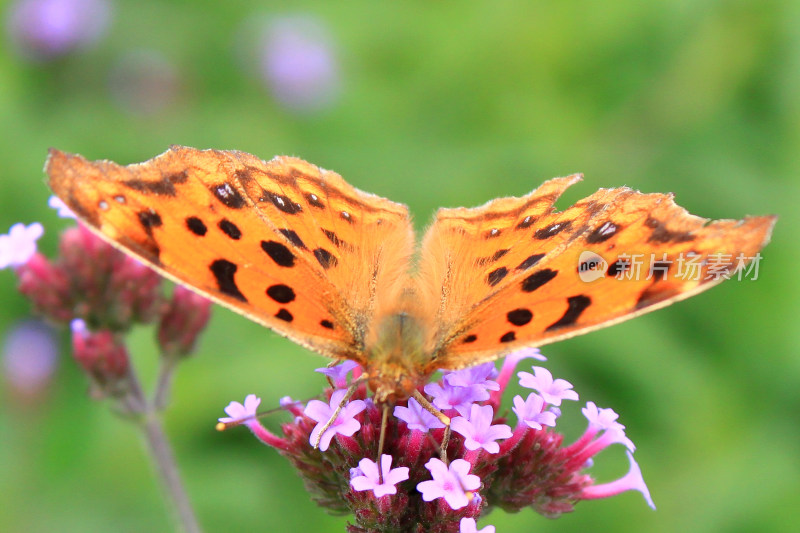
x=396 y=357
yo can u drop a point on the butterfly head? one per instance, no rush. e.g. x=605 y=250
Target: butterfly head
x=396 y=357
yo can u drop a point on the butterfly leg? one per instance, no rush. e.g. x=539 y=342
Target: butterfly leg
x=443 y=418
x=335 y=415
x=382 y=439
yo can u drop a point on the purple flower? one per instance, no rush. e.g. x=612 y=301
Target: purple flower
x=633 y=480
x=477 y=375
x=44 y=29
x=530 y=411
x=245 y=414
x=450 y=483
x=338 y=373
x=370 y=478
x=298 y=63
x=417 y=417
x=600 y=418
x=478 y=430
x=344 y=424
x=459 y=398
x=30 y=356
x=19 y=244
x=552 y=391
x=63 y=211
x=468 y=525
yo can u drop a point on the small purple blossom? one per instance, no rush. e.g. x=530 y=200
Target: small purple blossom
x=298 y=62
x=417 y=417
x=242 y=413
x=468 y=525
x=345 y=423
x=530 y=411
x=61 y=208
x=449 y=482
x=19 y=244
x=446 y=396
x=600 y=418
x=338 y=373
x=480 y=375
x=30 y=357
x=478 y=430
x=380 y=482
x=552 y=391
x=633 y=480
x=44 y=29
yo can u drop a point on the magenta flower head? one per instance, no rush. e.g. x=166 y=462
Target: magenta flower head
x=299 y=64
x=452 y=482
x=416 y=416
x=381 y=481
x=478 y=431
x=18 y=246
x=552 y=391
x=345 y=423
x=46 y=29
x=468 y=525
x=413 y=485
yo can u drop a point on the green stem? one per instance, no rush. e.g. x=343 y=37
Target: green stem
x=161 y=452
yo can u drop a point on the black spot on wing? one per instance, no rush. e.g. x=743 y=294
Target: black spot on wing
x=470 y=339
x=224 y=271
x=537 y=279
x=526 y=222
x=530 y=261
x=149 y=219
x=293 y=237
x=163 y=187
x=283 y=294
x=332 y=237
x=602 y=233
x=284 y=315
x=576 y=305
x=196 y=226
x=661 y=234
x=496 y=276
x=325 y=258
x=229 y=196
x=279 y=253
x=230 y=229
x=283 y=203
x=552 y=230
x=314 y=201
x=327 y=324
x=508 y=337
x=519 y=317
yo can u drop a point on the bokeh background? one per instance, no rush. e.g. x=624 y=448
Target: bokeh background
x=431 y=104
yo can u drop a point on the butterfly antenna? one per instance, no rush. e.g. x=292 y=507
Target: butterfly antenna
x=382 y=439
x=443 y=418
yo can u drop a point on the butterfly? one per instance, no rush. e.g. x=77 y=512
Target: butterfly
x=296 y=248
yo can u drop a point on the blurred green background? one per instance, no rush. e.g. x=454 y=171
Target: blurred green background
x=430 y=104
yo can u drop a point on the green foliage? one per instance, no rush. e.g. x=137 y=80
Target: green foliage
x=445 y=104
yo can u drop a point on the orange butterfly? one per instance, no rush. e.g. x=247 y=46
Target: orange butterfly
x=297 y=249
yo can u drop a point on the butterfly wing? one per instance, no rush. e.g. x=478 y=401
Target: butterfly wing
x=282 y=242
x=516 y=272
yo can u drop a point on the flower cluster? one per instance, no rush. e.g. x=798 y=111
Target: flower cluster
x=488 y=463
x=101 y=294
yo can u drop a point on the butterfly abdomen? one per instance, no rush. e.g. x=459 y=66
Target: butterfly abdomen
x=395 y=356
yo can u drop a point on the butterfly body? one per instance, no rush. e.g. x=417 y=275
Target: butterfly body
x=398 y=362
x=297 y=249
